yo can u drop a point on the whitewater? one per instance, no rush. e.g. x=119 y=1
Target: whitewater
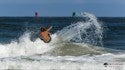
x=76 y=47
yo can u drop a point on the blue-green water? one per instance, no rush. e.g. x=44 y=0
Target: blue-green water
x=83 y=43
x=113 y=34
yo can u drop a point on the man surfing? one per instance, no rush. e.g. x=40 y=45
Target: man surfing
x=45 y=34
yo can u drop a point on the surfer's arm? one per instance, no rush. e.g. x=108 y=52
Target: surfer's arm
x=49 y=28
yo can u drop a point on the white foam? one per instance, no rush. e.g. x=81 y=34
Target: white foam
x=24 y=54
x=25 y=47
x=73 y=32
x=66 y=62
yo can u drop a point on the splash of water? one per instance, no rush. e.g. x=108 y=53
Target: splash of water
x=24 y=47
x=88 y=31
x=84 y=34
x=80 y=38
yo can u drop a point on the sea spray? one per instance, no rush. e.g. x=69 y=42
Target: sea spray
x=76 y=39
x=80 y=38
x=24 y=47
x=88 y=31
x=72 y=52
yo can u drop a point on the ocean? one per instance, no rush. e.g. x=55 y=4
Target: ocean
x=78 y=43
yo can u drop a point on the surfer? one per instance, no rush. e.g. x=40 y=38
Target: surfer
x=45 y=34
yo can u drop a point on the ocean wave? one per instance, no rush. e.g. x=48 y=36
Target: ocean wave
x=87 y=34
x=75 y=47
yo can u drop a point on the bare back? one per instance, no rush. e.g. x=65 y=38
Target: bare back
x=45 y=35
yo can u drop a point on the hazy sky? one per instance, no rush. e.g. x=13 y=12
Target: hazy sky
x=109 y=8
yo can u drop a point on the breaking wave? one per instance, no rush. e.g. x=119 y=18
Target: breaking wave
x=77 y=46
x=76 y=39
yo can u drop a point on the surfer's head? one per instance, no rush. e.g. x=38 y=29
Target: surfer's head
x=43 y=29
